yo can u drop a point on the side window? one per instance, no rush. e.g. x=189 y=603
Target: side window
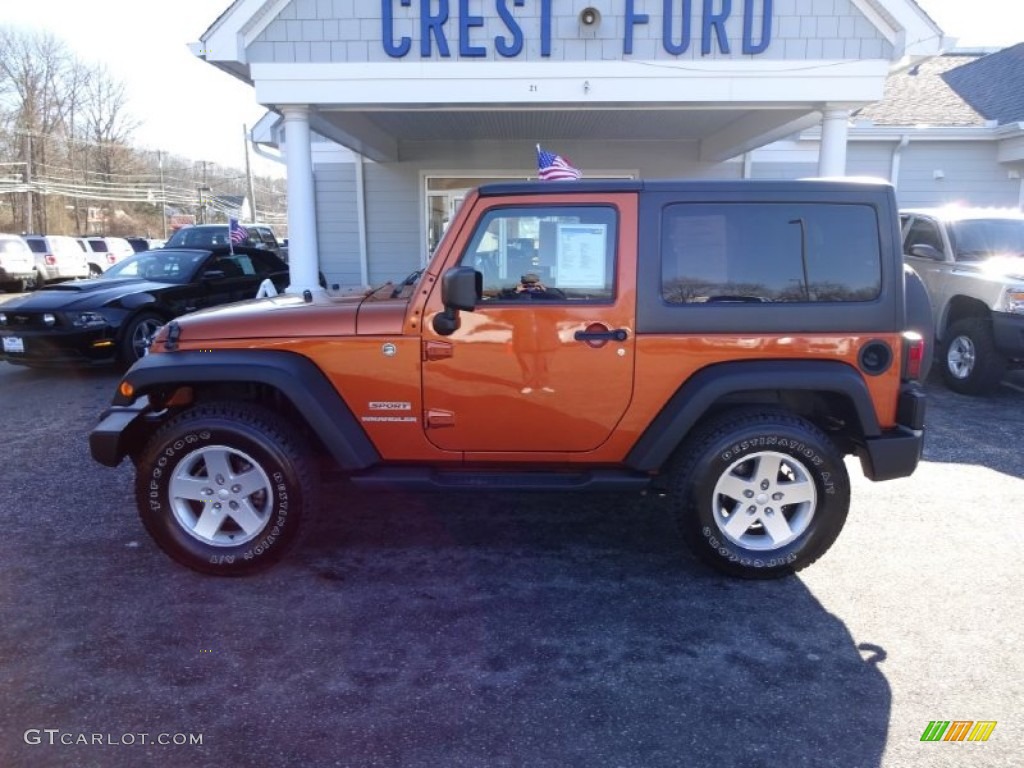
x=769 y=252
x=265 y=264
x=561 y=253
x=923 y=232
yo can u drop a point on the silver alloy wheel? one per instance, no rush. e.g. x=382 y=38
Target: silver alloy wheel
x=221 y=496
x=960 y=357
x=764 y=501
x=143 y=335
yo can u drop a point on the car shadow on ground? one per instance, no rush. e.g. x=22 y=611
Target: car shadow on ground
x=430 y=630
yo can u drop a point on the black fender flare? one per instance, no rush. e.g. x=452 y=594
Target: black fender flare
x=296 y=377
x=710 y=385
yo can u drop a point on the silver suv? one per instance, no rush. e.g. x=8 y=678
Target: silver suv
x=58 y=257
x=972 y=263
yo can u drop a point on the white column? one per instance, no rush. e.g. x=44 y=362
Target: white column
x=832 y=152
x=303 y=250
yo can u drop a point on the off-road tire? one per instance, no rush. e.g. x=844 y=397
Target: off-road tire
x=242 y=457
x=971 y=364
x=745 y=462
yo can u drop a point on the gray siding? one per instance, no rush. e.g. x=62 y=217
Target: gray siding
x=787 y=170
x=393 y=220
x=870 y=158
x=972 y=175
x=337 y=226
x=352 y=30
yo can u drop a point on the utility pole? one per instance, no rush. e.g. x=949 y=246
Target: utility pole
x=248 y=173
x=163 y=192
x=28 y=182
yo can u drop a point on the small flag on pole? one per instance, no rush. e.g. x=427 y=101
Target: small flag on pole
x=237 y=234
x=552 y=167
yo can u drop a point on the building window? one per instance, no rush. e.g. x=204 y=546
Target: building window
x=549 y=252
x=769 y=252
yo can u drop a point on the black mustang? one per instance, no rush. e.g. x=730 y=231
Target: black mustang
x=112 y=317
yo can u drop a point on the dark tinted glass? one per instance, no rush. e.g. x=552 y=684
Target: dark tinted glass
x=769 y=252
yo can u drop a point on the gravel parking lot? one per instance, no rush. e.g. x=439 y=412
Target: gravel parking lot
x=506 y=630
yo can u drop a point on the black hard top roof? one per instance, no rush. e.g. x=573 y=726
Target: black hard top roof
x=762 y=186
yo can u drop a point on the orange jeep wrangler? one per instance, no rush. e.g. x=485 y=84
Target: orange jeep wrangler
x=723 y=343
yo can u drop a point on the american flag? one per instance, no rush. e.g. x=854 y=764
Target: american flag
x=237 y=232
x=552 y=167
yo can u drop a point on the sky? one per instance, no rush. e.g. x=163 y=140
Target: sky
x=190 y=108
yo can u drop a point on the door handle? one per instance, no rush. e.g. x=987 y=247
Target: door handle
x=619 y=334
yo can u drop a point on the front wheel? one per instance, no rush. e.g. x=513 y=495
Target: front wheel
x=137 y=335
x=759 y=493
x=973 y=365
x=226 y=488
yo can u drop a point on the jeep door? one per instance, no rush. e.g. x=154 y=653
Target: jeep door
x=545 y=361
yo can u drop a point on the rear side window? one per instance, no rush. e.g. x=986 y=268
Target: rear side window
x=37 y=246
x=769 y=252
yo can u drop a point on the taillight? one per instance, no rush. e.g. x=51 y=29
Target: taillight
x=913 y=355
x=111 y=258
x=50 y=259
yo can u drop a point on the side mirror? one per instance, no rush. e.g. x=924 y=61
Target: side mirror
x=923 y=251
x=461 y=289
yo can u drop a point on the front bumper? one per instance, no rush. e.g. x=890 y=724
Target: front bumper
x=1008 y=331
x=118 y=432
x=60 y=347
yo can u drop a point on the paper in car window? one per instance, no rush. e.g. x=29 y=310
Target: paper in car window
x=582 y=256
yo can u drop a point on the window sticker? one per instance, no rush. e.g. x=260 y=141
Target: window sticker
x=582 y=255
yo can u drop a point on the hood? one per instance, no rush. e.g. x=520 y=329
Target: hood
x=85 y=294
x=288 y=316
x=997 y=267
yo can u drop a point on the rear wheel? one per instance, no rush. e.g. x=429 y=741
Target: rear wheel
x=226 y=488
x=94 y=270
x=972 y=365
x=759 y=493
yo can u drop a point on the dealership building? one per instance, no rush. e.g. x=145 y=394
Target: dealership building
x=387 y=113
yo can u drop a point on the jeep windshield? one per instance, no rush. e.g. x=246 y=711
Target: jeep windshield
x=981 y=238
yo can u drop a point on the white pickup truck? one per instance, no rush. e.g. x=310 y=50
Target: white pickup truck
x=972 y=263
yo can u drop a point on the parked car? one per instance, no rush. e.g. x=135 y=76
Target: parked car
x=17 y=264
x=972 y=262
x=114 y=249
x=111 y=317
x=138 y=243
x=206 y=235
x=57 y=257
x=723 y=344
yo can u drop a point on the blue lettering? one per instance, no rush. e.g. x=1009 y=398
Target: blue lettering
x=715 y=22
x=545 y=27
x=666 y=33
x=501 y=43
x=431 y=24
x=466 y=22
x=632 y=18
x=388 y=16
x=748 y=27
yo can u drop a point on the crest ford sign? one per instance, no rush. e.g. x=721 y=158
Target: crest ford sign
x=440 y=27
